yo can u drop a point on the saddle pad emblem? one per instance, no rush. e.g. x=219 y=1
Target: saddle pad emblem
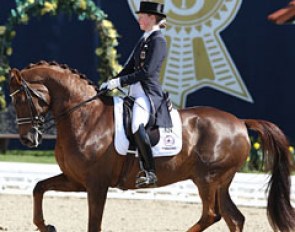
x=169 y=141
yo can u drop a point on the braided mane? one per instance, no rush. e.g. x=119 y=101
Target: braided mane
x=65 y=67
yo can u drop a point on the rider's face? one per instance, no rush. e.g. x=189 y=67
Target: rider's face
x=146 y=21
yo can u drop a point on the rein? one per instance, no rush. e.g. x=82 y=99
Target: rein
x=69 y=111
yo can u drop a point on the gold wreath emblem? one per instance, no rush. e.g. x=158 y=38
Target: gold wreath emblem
x=197 y=56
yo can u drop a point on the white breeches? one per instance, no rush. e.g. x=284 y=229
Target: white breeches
x=141 y=112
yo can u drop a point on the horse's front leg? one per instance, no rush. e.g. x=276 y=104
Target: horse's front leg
x=58 y=183
x=96 y=201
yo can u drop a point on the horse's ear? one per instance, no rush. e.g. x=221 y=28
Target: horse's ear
x=15 y=73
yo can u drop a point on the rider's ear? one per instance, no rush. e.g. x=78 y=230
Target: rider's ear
x=15 y=73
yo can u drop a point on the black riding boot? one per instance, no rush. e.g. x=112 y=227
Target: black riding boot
x=146 y=177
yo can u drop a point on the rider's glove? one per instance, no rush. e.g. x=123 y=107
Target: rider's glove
x=111 y=84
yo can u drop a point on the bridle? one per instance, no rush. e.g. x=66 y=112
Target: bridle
x=38 y=120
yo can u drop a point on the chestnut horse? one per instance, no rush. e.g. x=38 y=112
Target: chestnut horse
x=215 y=146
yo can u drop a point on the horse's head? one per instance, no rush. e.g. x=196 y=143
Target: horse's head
x=31 y=100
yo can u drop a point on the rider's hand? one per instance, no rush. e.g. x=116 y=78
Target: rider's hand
x=113 y=84
x=103 y=86
x=110 y=84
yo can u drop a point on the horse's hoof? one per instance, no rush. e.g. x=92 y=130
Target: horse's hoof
x=50 y=228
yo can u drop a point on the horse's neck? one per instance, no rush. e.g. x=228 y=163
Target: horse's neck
x=67 y=92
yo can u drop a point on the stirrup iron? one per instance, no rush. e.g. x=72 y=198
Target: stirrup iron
x=145 y=178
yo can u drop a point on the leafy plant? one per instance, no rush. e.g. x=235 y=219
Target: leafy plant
x=255 y=162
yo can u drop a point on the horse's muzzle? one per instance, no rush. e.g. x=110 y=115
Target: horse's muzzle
x=32 y=139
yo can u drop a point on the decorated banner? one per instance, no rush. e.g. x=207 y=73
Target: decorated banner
x=197 y=56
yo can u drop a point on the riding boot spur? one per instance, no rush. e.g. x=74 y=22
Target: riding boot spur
x=146 y=177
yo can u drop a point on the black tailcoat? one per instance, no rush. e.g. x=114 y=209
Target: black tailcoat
x=146 y=68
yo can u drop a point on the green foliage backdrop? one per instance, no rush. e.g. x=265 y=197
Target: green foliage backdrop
x=84 y=9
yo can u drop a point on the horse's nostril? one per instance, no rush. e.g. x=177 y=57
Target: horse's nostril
x=25 y=141
x=31 y=139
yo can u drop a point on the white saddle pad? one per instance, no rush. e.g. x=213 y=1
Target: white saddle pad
x=170 y=142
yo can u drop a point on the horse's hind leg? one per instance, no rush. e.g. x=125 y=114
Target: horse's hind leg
x=59 y=183
x=229 y=211
x=210 y=214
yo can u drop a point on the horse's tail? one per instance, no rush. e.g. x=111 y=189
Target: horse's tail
x=276 y=147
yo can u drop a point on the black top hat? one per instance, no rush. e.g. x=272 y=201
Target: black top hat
x=151 y=8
